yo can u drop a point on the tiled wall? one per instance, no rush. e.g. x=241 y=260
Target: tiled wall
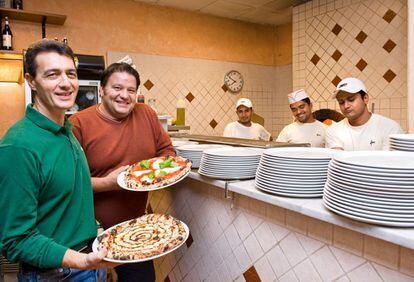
x=334 y=39
x=256 y=241
x=200 y=83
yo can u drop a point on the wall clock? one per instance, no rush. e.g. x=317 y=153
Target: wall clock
x=234 y=81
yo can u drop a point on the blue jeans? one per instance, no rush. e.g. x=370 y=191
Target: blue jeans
x=64 y=274
x=136 y=272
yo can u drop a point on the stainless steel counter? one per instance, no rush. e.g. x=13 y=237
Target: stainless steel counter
x=236 y=141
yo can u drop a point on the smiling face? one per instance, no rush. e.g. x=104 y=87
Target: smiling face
x=56 y=84
x=353 y=106
x=119 y=95
x=244 y=114
x=302 y=111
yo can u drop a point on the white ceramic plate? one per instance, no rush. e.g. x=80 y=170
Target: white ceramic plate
x=295 y=162
x=287 y=194
x=375 y=171
x=406 y=187
x=363 y=207
x=367 y=191
x=95 y=245
x=364 y=219
x=235 y=152
x=121 y=177
x=276 y=185
x=230 y=172
x=378 y=159
x=227 y=177
x=371 y=174
x=370 y=214
x=374 y=180
x=178 y=143
x=403 y=143
x=293 y=172
x=364 y=203
x=405 y=137
x=288 y=180
x=292 y=176
x=295 y=165
x=371 y=197
x=302 y=153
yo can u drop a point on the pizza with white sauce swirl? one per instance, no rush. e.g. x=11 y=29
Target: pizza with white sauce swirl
x=144 y=237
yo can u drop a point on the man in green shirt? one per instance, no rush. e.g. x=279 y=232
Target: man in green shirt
x=46 y=203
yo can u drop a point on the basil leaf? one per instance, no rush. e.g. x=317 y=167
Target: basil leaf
x=166 y=163
x=145 y=164
x=151 y=175
x=163 y=173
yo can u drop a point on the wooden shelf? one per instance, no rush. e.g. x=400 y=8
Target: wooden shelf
x=32 y=16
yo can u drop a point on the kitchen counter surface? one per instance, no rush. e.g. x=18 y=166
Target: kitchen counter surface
x=313 y=208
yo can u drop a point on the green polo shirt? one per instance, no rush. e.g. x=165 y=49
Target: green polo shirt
x=46 y=203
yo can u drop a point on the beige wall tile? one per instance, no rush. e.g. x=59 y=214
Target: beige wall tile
x=320 y=230
x=348 y=240
x=407 y=261
x=296 y=221
x=381 y=252
x=276 y=214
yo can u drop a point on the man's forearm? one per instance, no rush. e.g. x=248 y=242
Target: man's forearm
x=101 y=184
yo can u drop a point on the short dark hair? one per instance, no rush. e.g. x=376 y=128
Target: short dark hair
x=306 y=100
x=119 y=67
x=362 y=93
x=45 y=45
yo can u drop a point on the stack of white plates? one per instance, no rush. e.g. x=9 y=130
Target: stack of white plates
x=230 y=163
x=194 y=152
x=402 y=142
x=178 y=143
x=374 y=187
x=294 y=172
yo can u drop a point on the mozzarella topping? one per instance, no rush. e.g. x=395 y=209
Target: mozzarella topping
x=156 y=164
x=138 y=173
x=171 y=169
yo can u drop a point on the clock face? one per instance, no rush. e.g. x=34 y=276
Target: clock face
x=234 y=81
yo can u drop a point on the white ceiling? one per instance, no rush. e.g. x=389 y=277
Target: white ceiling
x=273 y=12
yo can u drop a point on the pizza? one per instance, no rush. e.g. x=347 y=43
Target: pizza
x=156 y=172
x=143 y=237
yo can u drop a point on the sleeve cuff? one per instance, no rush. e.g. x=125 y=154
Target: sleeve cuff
x=54 y=258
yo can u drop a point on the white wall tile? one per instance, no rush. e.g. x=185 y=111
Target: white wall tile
x=326 y=264
x=264 y=270
x=306 y=272
x=347 y=260
x=363 y=273
x=292 y=249
x=278 y=261
x=253 y=248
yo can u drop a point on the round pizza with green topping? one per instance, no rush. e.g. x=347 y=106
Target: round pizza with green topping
x=156 y=172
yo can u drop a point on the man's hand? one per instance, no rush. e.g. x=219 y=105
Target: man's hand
x=107 y=183
x=79 y=260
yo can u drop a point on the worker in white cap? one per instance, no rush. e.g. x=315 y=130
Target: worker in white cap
x=305 y=128
x=361 y=129
x=244 y=127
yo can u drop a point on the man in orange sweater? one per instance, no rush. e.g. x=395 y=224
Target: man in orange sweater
x=116 y=133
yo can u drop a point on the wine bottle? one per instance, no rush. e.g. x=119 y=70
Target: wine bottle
x=18 y=4
x=7 y=36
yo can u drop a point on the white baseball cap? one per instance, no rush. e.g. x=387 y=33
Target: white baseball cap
x=297 y=96
x=350 y=85
x=244 y=102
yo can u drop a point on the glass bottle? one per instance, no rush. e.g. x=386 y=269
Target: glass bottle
x=180 y=120
x=7 y=36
